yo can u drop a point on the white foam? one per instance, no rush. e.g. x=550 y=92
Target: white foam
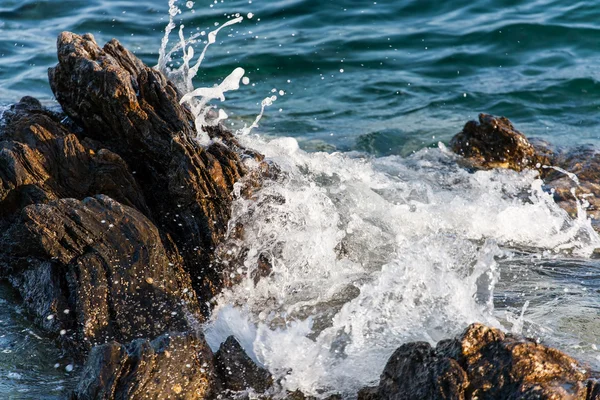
x=368 y=254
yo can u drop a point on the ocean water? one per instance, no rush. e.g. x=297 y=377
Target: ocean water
x=382 y=238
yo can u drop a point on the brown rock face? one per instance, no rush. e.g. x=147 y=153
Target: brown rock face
x=41 y=160
x=173 y=366
x=98 y=270
x=135 y=112
x=493 y=142
x=482 y=363
x=109 y=218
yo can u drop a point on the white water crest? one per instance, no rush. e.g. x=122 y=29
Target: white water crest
x=365 y=253
x=196 y=98
x=368 y=254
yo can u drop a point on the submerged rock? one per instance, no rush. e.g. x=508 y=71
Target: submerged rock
x=481 y=363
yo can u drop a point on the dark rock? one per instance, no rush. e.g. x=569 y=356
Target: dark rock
x=237 y=371
x=501 y=366
x=369 y=393
x=104 y=263
x=135 y=112
x=493 y=142
x=173 y=366
x=298 y=395
x=414 y=371
x=41 y=161
x=483 y=363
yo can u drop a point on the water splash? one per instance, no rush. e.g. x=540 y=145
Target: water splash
x=367 y=254
x=196 y=98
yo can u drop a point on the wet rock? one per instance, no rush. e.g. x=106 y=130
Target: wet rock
x=493 y=142
x=369 y=393
x=298 y=395
x=173 y=366
x=237 y=371
x=414 y=371
x=98 y=271
x=134 y=110
x=483 y=363
x=41 y=161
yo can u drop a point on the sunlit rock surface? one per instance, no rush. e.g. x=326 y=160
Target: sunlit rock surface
x=110 y=216
x=173 y=366
x=482 y=363
x=134 y=110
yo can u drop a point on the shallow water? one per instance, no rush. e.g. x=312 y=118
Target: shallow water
x=387 y=241
x=30 y=366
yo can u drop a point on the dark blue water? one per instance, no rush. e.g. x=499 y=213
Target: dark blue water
x=414 y=71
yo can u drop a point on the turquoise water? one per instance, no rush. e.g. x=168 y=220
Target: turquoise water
x=414 y=71
x=387 y=78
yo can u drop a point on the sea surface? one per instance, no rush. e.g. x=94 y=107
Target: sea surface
x=368 y=93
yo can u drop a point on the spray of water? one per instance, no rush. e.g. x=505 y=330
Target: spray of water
x=367 y=254
x=198 y=98
x=364 y=254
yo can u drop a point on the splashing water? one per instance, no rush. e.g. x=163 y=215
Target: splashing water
x=198 y=98
x=366 y=254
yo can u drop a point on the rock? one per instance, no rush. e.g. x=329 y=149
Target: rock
x=135 y=112
x=483 y=363
x=109 y=220
x=104 y=263
x=414 y=371
x=369 y=393
x=237 y=372
x=173 y=366
x=493 y=142
x=298 y=395
x=41 y=161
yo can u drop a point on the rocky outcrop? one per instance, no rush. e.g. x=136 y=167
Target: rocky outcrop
x=482 y=363
x=135 y=112
x=493 y=142
x=237 y=372
x=109 y=220
x=97 y=270
x=173 y=366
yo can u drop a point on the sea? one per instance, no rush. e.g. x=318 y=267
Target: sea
x=382 y=238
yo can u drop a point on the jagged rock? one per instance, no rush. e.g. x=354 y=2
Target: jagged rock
x=298 y=395
x=173 y=366
x=493 y=142
x=483 y=363
x=135 y=112
x=40 y=161
x=237 y=371
x=98 y=270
